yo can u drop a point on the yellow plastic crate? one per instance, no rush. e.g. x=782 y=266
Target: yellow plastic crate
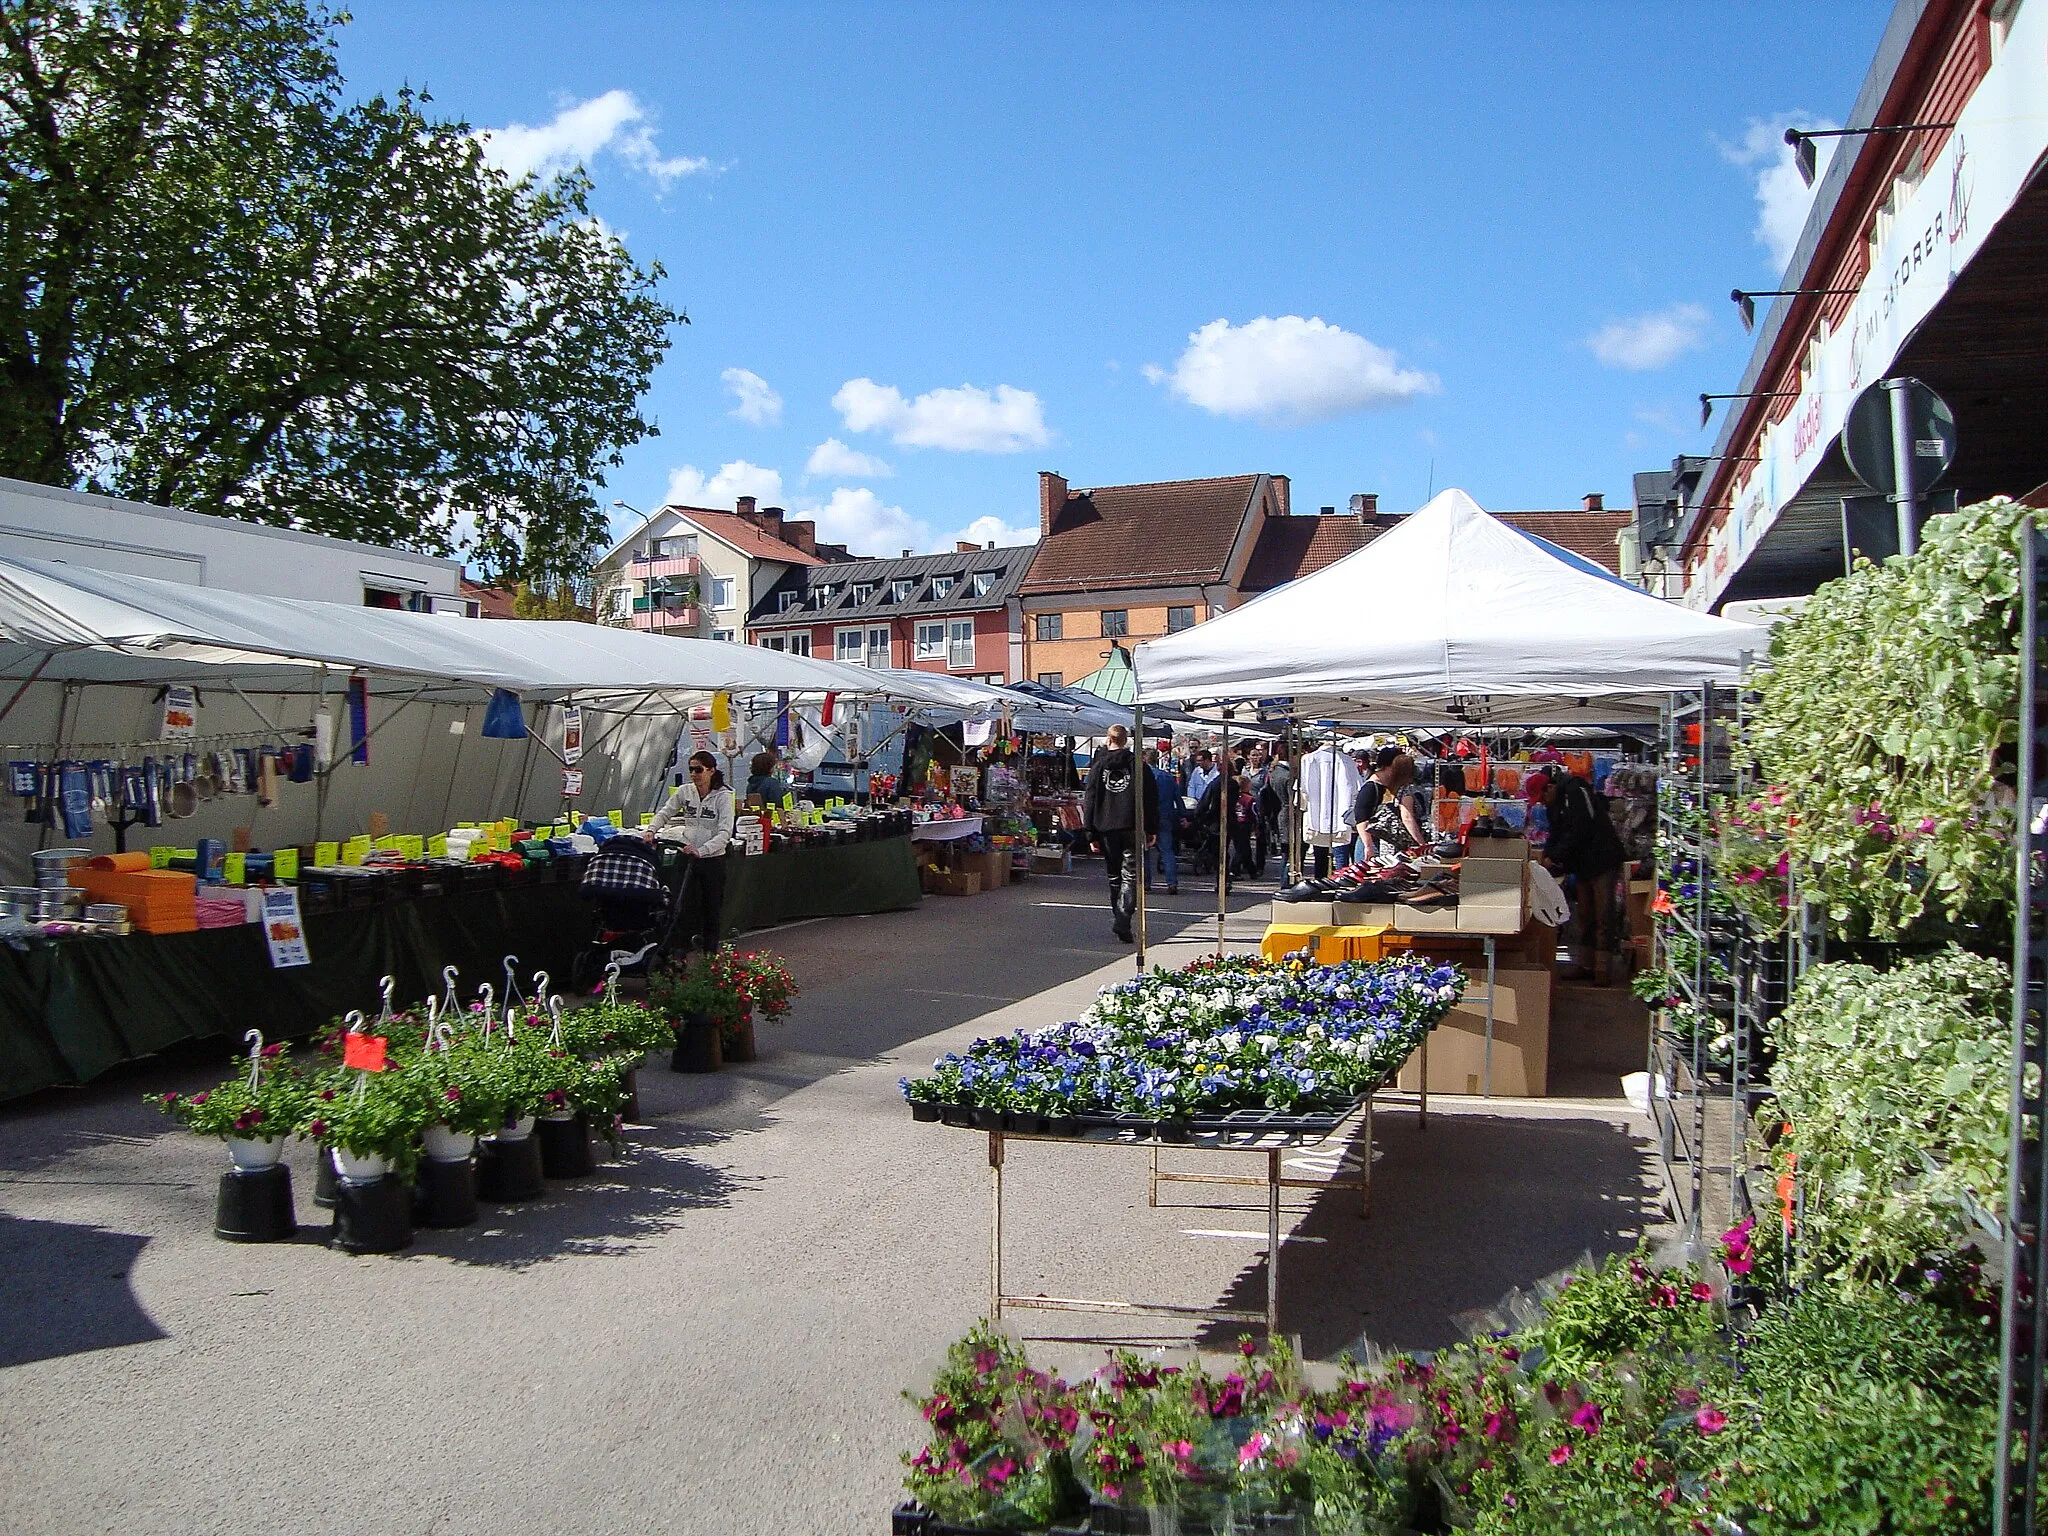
x=1291 y=939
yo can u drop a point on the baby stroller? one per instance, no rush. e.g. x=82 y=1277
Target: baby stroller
x=635 y=912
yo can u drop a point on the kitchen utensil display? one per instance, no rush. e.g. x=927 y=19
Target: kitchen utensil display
x=53 y=866
x=301 y=759
x=208 y=783
x=74 y=799
x=152 y=793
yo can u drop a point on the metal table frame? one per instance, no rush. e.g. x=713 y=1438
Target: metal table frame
x=1355 y=1124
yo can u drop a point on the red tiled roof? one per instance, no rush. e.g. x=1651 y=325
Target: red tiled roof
x=492 y=602
x=1172 y=532
x=1292 y=547
x=744 y=536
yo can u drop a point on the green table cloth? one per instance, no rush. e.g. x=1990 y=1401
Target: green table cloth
x=70 y=1010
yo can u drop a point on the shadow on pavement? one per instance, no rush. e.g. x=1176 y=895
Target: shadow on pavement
x=1482 y=1204
x=67 y=1290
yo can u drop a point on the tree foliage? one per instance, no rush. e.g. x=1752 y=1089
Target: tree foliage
x=224 y=287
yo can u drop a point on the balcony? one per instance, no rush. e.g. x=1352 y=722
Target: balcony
x=644 y=568
x=682 y=620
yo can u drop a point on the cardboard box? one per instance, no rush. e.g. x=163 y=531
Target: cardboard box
x=1050 y=859
x=1497 y=850
x=1521 y=1040
x=993 y=866
x=1640 y=895
x=940 y=882
x=1425 y=919
x=1493 y=896
x=1312 y=912
x=1362 y=914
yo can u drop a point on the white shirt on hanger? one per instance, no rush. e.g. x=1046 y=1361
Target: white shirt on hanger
x=1329 y=783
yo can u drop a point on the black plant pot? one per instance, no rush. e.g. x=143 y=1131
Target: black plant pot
x=1062 y=1125
x=447 y=1193
x=988 y=1119
x=923 y=1111
x=372 y=1218
x=323 y=1176
x=696 y=1045
x=957 y=1114
x=255 y=1205
x=1174 y=1130
x=631 y=1112
x=565 y=1147
x=509 y=1170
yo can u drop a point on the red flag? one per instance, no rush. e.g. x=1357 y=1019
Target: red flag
x=363 y=1052
x=825 y=715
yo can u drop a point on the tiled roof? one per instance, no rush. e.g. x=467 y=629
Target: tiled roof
x=744 y=536
x=1009 y=563
x=492 y=602
x=1172 y=532
x=1292 y=547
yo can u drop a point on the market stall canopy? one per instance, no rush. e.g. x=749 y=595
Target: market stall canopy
x=1452 y=617
x=72 y=623
x=1092 y=714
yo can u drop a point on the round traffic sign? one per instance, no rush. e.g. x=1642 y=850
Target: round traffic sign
x=1867 y=437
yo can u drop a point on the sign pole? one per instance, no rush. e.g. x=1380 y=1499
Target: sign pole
x=1903 y=497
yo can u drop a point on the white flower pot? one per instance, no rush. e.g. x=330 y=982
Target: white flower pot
x=247 y=1154
x=360 y=1170
x=560 y=1115
x=518 y=1131
x=446 y=1146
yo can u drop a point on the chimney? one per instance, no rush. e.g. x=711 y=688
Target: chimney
x=1052 y=495
x=1326 y=511
x=906 y=554
x=803 y=534
x=1595 y=501
x=769 y=520
x=966 y=547
x=1365 y=504
x=1283 y=494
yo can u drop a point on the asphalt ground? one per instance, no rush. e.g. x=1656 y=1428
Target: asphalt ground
x=714 y=1332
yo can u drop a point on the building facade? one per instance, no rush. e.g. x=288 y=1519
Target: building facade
x=956 y=613
x=134 y=538
x=1924 y=255
x=697 y=571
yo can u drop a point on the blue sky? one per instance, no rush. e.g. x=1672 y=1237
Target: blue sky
x=930 y=250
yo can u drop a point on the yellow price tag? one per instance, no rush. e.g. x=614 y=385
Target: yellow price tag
x=721 y=712
x=789 y=800
x=351 y=854
x=326 y=855
x=285 y=864
x=618 y=818
x=437 y=846
x=160 y=858
x=647 y=818
x=235 y=869
x=412 y=847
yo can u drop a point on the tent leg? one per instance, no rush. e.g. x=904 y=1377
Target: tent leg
x=1144 y=782
x=1222 y=829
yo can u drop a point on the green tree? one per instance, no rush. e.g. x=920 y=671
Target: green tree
x=224 y=288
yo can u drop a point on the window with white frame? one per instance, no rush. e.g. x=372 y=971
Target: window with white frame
x=821 y=595
x=722 y=634
x=863 y=591
x=960 y=645
x=784 y=601
x=724 y=591
x=851 y=645
x=771 y=642
x=878 y=646
x=942 y=587
x=900 y=589
x=678 y=544
x=799 y=645
x=931 y=641
x=985 y=582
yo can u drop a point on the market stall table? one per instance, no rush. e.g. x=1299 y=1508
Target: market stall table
x=763 y=889
x=947 y=830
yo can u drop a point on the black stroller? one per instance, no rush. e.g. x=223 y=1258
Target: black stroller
x=635 y=912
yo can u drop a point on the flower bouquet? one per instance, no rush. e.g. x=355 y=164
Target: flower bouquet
x=251 y=1112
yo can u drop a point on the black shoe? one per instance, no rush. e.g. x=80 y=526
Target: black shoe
x=1173 y=890
x=1123 y=934
x=1307 y=890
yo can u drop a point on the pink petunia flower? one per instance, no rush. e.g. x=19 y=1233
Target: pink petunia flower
x=1587 y=1417
x=1711 y=1421
x=1561 y=1455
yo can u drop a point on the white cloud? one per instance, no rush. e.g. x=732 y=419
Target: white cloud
x=1643 y=342
x=1287 y=371
x=833 y=460
x=689 y=486
x=759 y=404
x=993 y=530
x=1782 y=198
x=965 y=420
x=615 y=121
x=858 y=518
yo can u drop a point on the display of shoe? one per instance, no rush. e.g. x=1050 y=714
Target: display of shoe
x=1307 y=890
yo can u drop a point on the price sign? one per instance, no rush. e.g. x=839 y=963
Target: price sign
x=285 y=863
x=181 y=712
x=283 y=929
x=437 y=846
x=235 y=869
x=572 y=735
x=363 y=1052
x=572 y=783
x=160 y=857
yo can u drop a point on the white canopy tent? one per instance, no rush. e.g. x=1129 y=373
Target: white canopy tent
x=1453 y=618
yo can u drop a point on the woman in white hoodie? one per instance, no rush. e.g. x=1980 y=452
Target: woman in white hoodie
x=698 y=822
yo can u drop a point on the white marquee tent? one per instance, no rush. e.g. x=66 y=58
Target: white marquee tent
x=1452 y=618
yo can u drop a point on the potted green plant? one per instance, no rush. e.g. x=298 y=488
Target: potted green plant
x=252 y=1113
x=700 y=1003
x=467 y=1096
x=765 y=989
x=371 y=1120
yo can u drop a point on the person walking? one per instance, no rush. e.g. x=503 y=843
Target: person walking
x=1584 y=845
x=1168 y=857
x=701 y=814
x=1202 y=775
x=1120 y=809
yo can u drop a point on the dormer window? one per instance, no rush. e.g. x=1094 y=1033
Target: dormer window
x=863 y=591
x=900 y=590
x=942 y=587
x=784 y=601
x=985 y=582
x=821 y=596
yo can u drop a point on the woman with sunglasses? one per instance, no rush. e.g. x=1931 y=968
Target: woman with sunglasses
x=701 y=813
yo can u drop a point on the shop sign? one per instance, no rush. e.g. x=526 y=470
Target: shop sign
x=181 y=712
x=572 y=735
x=283 y=929
x=1999 y=137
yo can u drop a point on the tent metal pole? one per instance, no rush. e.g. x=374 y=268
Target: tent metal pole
x=48 y=657
x=1222 y=828
x=1139 y=786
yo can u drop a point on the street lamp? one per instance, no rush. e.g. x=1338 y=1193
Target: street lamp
x=1744 y=298
x=1707 y=401
x=1801 y=140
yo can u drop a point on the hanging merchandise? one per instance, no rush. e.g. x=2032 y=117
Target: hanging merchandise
x=721 y=712
x=505 y=719
x=359 y=718
x=572 y=734
x=782 y=720
x=75 y=801
x=831 y=704
x=181 y=712
x=323 y=739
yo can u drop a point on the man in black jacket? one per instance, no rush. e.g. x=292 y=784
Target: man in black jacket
x=1117 y=786
x=1584 y=845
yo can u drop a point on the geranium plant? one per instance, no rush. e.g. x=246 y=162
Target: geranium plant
x=371 y=1114
x=260 y=1103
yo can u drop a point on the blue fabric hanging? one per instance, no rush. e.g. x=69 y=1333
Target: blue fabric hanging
x=505 y=719
x=359 y=718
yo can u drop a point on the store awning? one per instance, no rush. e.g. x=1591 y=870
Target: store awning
x=1452 y=618
x=73 y=623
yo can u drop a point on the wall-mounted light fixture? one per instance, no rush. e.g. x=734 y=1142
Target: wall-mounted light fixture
x=1707 y=401
x=1745 y=299
x=1801 y=140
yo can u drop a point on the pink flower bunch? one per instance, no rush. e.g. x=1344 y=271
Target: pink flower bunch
x=248 y=1119
x=1711 y=1421
x=1737 y=1256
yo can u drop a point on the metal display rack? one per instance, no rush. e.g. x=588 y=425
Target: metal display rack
x=2025 y=1337
x=1249 y=1131
x=1739 y=978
